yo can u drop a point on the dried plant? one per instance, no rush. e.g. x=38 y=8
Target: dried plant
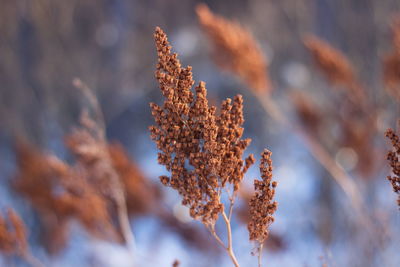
x=57 y=191
x=262 y=206
x=314 y=146
x=235 y=49
x=335 y=67
x=393 y=157
x=90 y=148
x=275 y=242
x=201 y=149
x=357 y=119
x=13 y=238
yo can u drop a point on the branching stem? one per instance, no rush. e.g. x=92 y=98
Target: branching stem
x=229 y=248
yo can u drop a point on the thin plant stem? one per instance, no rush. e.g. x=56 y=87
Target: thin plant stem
x=227 y=220
x=212 y=231
x=229 y=248
x=260 y=248
x=123 y=217
x=231 y=203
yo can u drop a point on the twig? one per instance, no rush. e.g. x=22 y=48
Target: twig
x=212 y=231
x=123 y=218
x=231 y=203
x=229 y=248
x=260 y=248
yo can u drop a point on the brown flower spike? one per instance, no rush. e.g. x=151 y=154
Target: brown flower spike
x=235 y=49
x=202 y=150
x=394 y=161
x=262 y=206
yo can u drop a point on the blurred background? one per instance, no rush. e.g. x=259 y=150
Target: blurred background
x=108 y=44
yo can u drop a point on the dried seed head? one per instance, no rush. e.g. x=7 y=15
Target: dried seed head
x=332 y=63
x=235 y=49
x=201 y=150
x=262 y=206
x=335 y=66
x=393 y=157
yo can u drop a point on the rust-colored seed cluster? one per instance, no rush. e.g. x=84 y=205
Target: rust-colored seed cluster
x=393 y=157
x=202 y=150
x=262 y=206
x=12 y=234
x=235 y=49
